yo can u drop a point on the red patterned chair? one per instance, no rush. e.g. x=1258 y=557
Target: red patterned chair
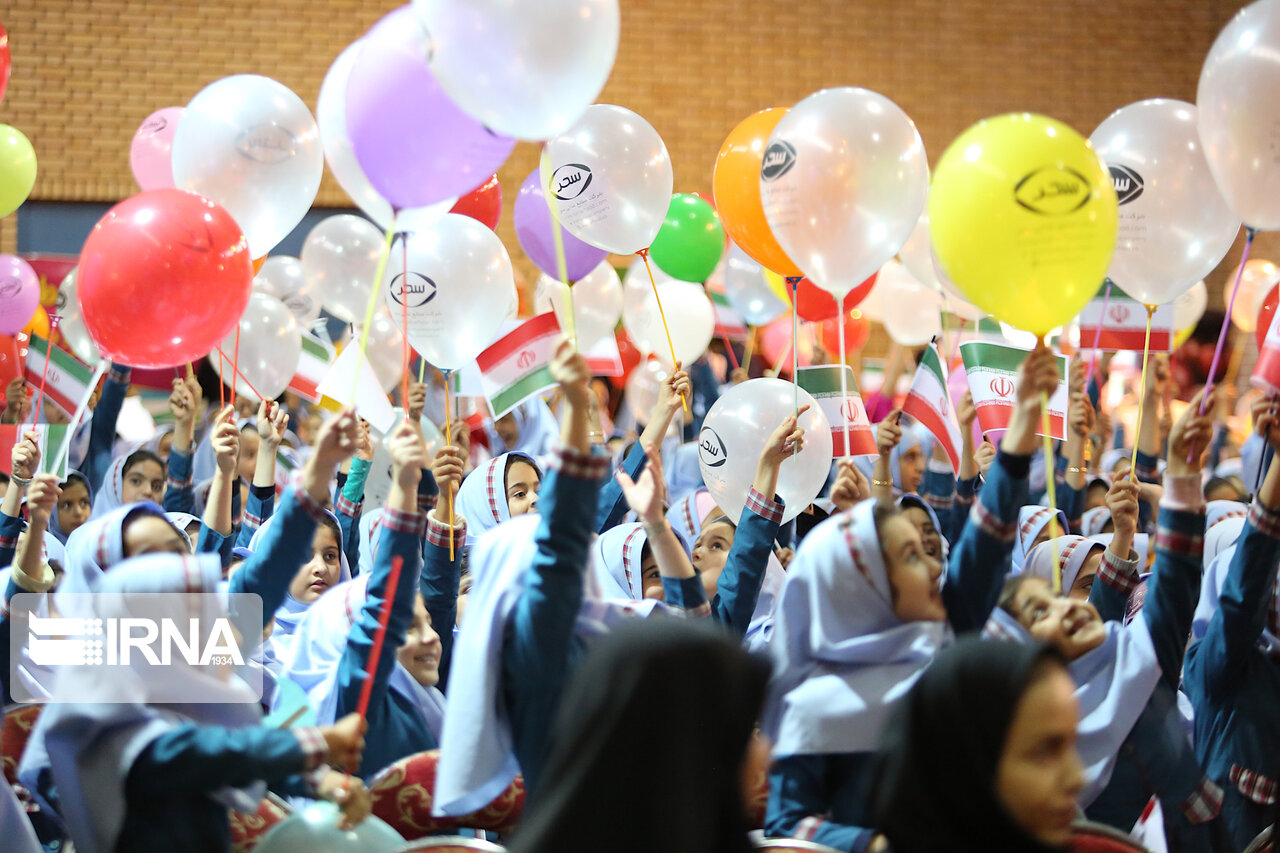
x=1262 y=843
x=451 y=844
x=18 y=723
x=1090 y=837
x=793 y=845
x=402 y=795
x=247 y=829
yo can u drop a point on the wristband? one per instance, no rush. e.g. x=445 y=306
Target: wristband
x=881 y=483
x=21 y=482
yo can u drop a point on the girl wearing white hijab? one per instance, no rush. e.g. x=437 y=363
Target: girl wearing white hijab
x=1034 y=528
x=503 y=488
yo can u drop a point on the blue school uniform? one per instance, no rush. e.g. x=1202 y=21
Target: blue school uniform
x=257 y=509
x=439 y=583
x=10 y=527
x=102 y=429
x=738 y=588
x=179 y=490
x=612 y=506
x=823 y=796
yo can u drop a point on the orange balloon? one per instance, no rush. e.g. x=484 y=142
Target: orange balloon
x=39 y=324
x=736 y=184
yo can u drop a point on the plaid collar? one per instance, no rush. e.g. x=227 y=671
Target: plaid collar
x=629 y=553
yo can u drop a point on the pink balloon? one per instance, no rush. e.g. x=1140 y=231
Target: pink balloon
x=150 y=151
x=19 y=294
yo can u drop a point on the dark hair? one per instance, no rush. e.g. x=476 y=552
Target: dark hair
x=74 y=477
x=1220 y=482
x=331 y=523
x=1009 y=592
x=138 y=456
x=513 y=458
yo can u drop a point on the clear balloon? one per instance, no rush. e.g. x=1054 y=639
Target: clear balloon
x=331 y=117
x=526 y=70
x=339 y=261
x=851 y=160
x=150 y=153
x=19 y=294
x=384 y=348
x=1236 y=100
x=610 y=176
x=690 y=319
x=748 y=290
x=270 y=345
x=1189 y=307
x=17 y=169
x=597 y=303
x=636 y=288
x=458 y=289
x=644 y=384
x=917 y=254
x=909 y=308
x=1175 y=226
x=71 y=330
x=249 y=144
x=536 y=232
x=316 y=828
x=1259 y=276
x=735 y=432
x=283 y=277
x=952 y=299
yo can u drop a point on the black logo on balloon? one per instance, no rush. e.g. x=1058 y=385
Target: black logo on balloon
x=1053 y=191
x=9 y=288
x=711 y=449
x=153 y=125
x=417 y=289
x=267 y=143
x=570 y=181
x=1127 y=182
x=779 y=157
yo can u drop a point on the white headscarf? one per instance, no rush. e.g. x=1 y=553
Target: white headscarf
x=1032 y=520
x=96 y=546
x=538 y=430
x=1071 y=552
x=482 y=497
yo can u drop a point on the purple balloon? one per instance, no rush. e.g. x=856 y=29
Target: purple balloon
x=535 y=232
x=415 y=145
x=19 y=294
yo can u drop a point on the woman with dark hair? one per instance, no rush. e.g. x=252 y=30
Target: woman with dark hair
x=689 y=689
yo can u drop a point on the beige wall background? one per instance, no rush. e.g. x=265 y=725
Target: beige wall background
x=86 y=72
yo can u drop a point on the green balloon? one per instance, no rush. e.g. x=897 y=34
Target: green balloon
x=691 y=240
x=17 y=169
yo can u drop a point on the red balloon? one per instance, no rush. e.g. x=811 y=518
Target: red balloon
x=1265 y=314
x=775 y=345
x=4 y=61
x=815 y=304
x=856 y=331
x=483 y=204
x=164 y=276
x=631 y=358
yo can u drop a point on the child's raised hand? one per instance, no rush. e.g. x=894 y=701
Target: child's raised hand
x=984 y=456
x=569 y=369
x=272 y=423
x=226 y=441
x=336 y=440
x=408 y=454
x=345 y=740
x=850 y=487
x=417 y=400
x=889 y=433
x=447 y=469
x=349 y=794
x=1080 y=414
x=181 y=404
x=1189 y=439
x=1076 y=374
x=966 y=414
x=1037 y=376
x=42 y=497
x=1122 y=500
x=460 y=437
x=364 y=447
x=645 y=495
x=1266 y=420
x=673 y=389
x=17 y=405
x=25 y=458
x=784 y=442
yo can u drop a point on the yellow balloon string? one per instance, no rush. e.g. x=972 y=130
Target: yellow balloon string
x=1142 y=393
x=562 y=266
x=422 y=369
x=373 y=304
x=448 y=437
x=644 y=253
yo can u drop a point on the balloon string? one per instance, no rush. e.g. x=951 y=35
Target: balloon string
x=644 y=253
x=422 y=369
x=749 y=349
x=373 y=304
x=404 y=326
x=562 y=266
x=1097 y=336
x=728 y=347
x=235 y=365
x=222 y=385
x=1249 y=233
x=795 y=337
x=448 y=437
x=1142 y=393
x=1051 y=488
x=844 y=391
x=371 y=669
x=243 y=378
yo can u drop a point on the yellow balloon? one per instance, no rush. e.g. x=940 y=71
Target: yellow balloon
x=1022 y=215
x=778 y=285
x=1181 y=336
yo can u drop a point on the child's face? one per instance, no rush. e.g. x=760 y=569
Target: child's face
x=420 y=654
x=522 y=488
x=651 y=577
x=248 y=454
x=150 y=534
x=929 y=534
x=322 y=571
x=1070 y=625
x=914 y=576
x=911 y=468
x=711 y=552
x=1084 y=580
x=74 y=506
x=1095 y=497
x=507 y=429
x=144 y=481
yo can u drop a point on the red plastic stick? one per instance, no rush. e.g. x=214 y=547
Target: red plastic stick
x=366 y=689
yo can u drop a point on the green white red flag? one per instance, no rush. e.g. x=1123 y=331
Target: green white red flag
x=851 y=433
x=992 y=372
x=1124 y=323
x=313 y=364
x=517 y=366
x=929 y=402
x=67 y=381
x=729 y=320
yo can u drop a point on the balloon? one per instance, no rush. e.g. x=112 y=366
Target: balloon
x=17 y=169
x=249 y=144
x=339 y=261
x=284 y=278
x=851 y=161
x=621 y=160
x=384 y=348
x=952 y=299
x=636 y=288
x=460 y=288
x=1189 y=307
x=19 y=294
x=1237 y=113
x=526 y=70
x=270 y=346
x=536 y=233
x=747 y=288
x=779 y=286
x=857 y=329
x=690 y=319
x=71 y=330
x=735 y=432
x=597 y=303
x=1258 y=277
x=643 y=386
x=316 y=828
x=1022 y=215
x=736 y=185
x=631 y=358
x=182 y=266
x=331 y=117
x=910 y=308
x=691 y=240
x=151 y=151
x=415 y=145
x=917 y=254
x=775 y=345
x=4 y=61
x=483 y=204
x=1175 y=226
x=815 y=304
x=1265 y=313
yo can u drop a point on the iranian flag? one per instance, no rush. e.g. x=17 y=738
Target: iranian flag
x=992 y=371
x=929 y=403
x=729 y=321
x=518 y=365
x=313 y=364
x=68 y=380
x=1124 y=323
x=52 y=438
x=851 y=433
x=603 y=359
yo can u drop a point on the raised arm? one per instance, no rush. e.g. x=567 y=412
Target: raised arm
x=25 y=461
x=888 y=435
x=440 y=573
x=185 y=402
x=1118 y=572
x=272 y=422
x=102 y=429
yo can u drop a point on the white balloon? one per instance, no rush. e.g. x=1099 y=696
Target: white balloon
x=690 y=318
x=71 y=327
x=458 y=291
x=952 y=297
x=610 y=176
x=843 y=183
x=281 y=276
x=384 y=349
x=340 y=260
x=1189 y=307
x=748 y=290
x=316 y=828
x=636 y=288
x=249 y=144
x=597 y=303
x=917 y=253
x=270 y=345
x=524 y=69
x=331 y=116
x=643 y=387
x=910 y=309
x=735 y=432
